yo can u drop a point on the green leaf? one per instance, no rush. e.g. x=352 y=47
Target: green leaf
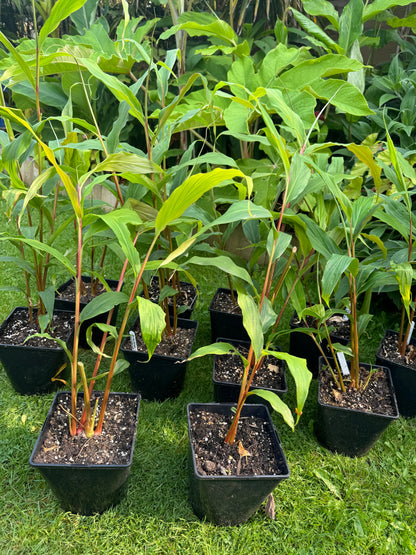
x=152 y=323
x=365 y=155
x=118 y=221
x=60 y=11
x=223 y=263
x=189 y=192
x=315 y=31
x=277 y=405
x=334 y=270
x=350 y=24
x=345 y=96
x=219 y=348
x=251 y=320
x=403 y=273
x=322 y=8
x=301 y=376
x=102 y=303
x=378 y=6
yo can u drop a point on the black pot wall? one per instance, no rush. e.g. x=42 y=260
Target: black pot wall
x=85 y=489
x=65 y=304
x=31 y=369
x=162 y=377
x=348 y=431
x=404 y=380
x=226 y=324
x=231 y=500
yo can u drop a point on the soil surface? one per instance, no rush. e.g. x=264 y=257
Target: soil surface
x=215 y=457
x=113 y=446
x=178 y=345
x=389 y=350
x=68 y=294
x=376 y=397
x=223 y=302
x=339 y=327
x=19 y=327
x=229 y=369
x=184 y=299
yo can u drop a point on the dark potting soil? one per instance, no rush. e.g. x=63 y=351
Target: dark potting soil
x=389 y=350
x=223 y=302
x=339 y=327
x=215 y=457
x=178 y=345
x=229 y=369
x=113 y=446
x=19 y=328
x=87 y=293
x=375 y=398
x=184 y=298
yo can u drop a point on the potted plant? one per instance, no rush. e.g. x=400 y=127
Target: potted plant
x=351 y=414
x=396 y=348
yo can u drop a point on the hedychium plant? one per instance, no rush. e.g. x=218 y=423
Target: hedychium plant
x=345 y=268
x=396 y=212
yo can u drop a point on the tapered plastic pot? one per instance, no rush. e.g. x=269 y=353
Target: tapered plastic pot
x=67 y=304
x=228 y=392
x=351 y=432
x=162 y=377
x=226 y=324
x=403 y=376
x=302 y=345
x=232 y=499
x=31 y=369
x=86 y=488
x=184 y=310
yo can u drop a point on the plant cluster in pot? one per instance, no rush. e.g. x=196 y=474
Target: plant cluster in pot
x=356 y=402
x=397 y=221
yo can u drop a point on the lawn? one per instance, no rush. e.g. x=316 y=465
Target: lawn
x=330 y=505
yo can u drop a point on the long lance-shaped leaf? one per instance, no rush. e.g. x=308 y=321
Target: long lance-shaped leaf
x=69 y=186
x=119 y=89
x=301 y=375
x=404 y=275
x=60 y=11
x=118 y=221
x=277 y=405
x=189 y=192
x=23 y=65
x=251 y=320
x=152 y=323
x=44 y=248
x=365 y=155
x=222 y=263
x=334 y=269
x=374 y=8
x=102 y=303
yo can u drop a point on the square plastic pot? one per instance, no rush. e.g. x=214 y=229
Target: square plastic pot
x=86 y=488
x=226 y=324
x=231 y=500
x=31 y=369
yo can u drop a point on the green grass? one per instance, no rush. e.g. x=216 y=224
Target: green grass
x=330 y=505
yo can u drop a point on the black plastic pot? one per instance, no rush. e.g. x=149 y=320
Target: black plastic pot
x=162 y=377
x=226 y=324
x=85 y=488
x=303 y=346
x=187 y=313
x=231 y=500
x=351 y=432
x=228 y=392
x=404 y=379
x=31 y=369
x=65 y=304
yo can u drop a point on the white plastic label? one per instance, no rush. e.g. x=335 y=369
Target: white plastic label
x=343 y=363
x=133 y=341
x=412 y=327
